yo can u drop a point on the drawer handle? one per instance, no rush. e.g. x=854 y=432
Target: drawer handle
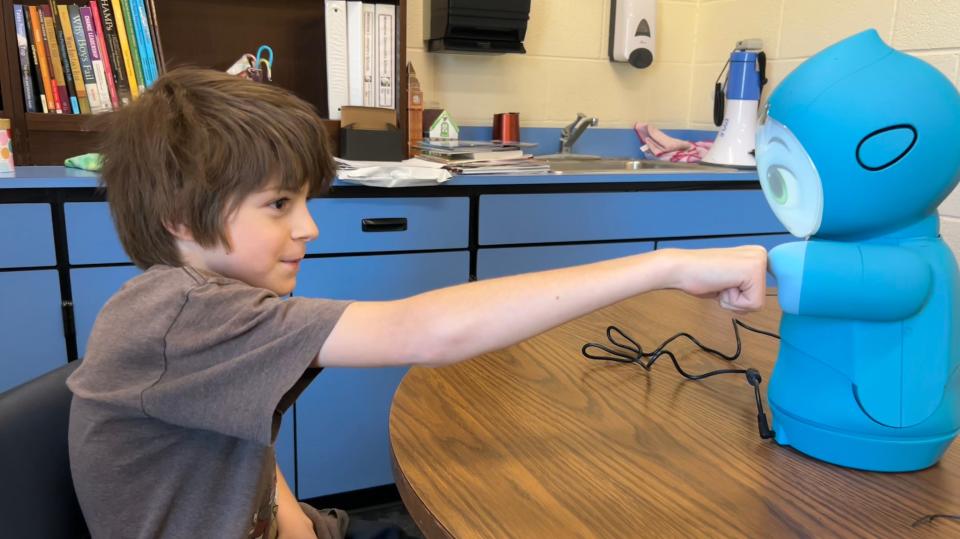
x=384 y=224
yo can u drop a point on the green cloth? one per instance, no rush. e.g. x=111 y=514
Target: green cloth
x=87 y=161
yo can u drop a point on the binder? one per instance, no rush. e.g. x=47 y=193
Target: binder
x=386 y=68
x=369 y=59
x=335 y=24
x=355 y=51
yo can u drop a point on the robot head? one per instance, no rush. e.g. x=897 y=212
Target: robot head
x=859 y=140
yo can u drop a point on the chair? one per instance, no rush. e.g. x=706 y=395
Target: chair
x=37 y=498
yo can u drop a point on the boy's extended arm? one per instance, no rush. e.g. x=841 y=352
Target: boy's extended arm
x=456 y=323
x=292 y=522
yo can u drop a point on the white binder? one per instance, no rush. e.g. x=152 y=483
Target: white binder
x=355 y=51
x=386 y=71
x=335 y=24
x=369 y=60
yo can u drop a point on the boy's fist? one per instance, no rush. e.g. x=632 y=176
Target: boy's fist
x=737 y=276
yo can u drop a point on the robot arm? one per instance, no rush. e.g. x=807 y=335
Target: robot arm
x=850 y=280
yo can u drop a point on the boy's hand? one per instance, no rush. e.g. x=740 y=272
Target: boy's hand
x=737 y=276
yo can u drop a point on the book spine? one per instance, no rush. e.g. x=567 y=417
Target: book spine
x=105 y=55
x=96 y=60
x=386 y=69
x=108 y=24
x=121 y=28
x=153 y=36
x=142 y=22
x=43 y=67
x=35 y=61
x=30 y=101
x=67 y=30
x=46 y=28
x=65 y=78
x=133 y=43
x=83 y=55
x=369 y=55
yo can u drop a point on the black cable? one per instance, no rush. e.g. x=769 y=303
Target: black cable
x=632 y=352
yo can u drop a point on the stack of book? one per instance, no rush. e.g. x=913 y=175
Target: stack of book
x=86 y=57
x=481 y=157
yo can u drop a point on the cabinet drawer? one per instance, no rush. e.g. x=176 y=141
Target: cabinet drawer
x=502 y=261
x=26 y=236
x=361 y=225
x=31 y=326
x=563 y=217
x=91 y=238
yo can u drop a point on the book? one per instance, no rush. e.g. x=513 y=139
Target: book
x=142 y=26
x=108 y=28
x=19 y=22
x=369 y=54
x=132 y=43
x=121 y=29
x=87 y=72
x=66 y=29
x=108 y=63
x=386 y=70
x=37 y=80
x=335 y=24
x=46 y=27
x=470 y=156
x=355 y=52
x=58 y=47
x=153 y=40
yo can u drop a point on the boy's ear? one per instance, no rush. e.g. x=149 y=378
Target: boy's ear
x=179 y=231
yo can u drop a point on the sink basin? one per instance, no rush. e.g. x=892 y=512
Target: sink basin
x=622 y=166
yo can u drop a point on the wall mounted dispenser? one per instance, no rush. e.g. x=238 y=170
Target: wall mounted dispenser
x=476 y=26
x=632 y=31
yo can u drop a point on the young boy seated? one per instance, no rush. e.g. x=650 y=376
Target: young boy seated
x=191 y=364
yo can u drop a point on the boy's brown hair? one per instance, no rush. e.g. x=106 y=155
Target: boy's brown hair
x=193 y=146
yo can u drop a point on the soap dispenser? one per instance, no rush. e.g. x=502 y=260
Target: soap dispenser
x=632 y=31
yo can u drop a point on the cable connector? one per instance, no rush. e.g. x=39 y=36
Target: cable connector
x=753 y=377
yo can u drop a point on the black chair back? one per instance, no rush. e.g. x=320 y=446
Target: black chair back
x=37 y=498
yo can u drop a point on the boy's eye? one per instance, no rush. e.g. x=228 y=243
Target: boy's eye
x=280 y=203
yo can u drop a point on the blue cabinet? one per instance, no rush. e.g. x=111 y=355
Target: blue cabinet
x=31 y=326
x=91 y=237
x=26 y=236
x=342 y=417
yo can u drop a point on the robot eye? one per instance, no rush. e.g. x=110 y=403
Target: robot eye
x=778 y=179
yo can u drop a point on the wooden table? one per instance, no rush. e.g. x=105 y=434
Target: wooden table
x=536 y=441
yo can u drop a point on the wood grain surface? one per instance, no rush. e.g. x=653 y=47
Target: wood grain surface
x=537 y=441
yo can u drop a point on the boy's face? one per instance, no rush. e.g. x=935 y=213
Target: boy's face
x=268 y=234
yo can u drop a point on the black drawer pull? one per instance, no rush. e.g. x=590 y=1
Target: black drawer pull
x=384 y=224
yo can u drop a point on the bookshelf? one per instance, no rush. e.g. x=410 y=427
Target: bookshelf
x=206 y=33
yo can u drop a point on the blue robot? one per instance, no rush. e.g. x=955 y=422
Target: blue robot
x=856 y=149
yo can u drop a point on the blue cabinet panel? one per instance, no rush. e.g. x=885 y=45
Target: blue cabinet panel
x=91 y=237
x=427 y=223
x=705 y=243
x=26 y=236
x=31 y=326
x=285 y=451
x=92 y=287
x=502 y=261
x=564 y=217
x=342 y=418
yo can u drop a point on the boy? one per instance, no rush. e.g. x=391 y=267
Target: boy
x=191 y=364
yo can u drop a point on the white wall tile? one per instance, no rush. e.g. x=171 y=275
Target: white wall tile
x=951 y=206
x=566 y=29
x=415 y=24
x=945 y=62
x=927 y=24
x=811 y=25
x=721 y=24
x=950 y=231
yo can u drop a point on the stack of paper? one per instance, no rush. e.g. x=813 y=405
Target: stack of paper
x=481 y=157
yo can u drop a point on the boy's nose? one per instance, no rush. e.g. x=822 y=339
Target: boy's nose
x=305 y=228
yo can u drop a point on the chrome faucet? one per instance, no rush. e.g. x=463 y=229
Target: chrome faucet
x=572 y=132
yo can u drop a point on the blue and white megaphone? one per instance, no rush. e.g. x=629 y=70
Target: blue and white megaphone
x=735 y=109
x=857 y=148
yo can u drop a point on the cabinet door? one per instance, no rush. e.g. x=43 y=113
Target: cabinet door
x=513 y=260
x=31 y=326
x=91 y=237
x=92 y=287
x=342 y=418
x=26 y=236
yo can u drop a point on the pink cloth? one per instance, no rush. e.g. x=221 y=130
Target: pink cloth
x=659 y=145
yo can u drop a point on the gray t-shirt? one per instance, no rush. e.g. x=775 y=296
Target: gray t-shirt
x=178 y=401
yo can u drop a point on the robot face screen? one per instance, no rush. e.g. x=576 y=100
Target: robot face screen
x=789 y=179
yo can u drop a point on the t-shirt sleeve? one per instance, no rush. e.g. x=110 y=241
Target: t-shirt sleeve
x=231 y=354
